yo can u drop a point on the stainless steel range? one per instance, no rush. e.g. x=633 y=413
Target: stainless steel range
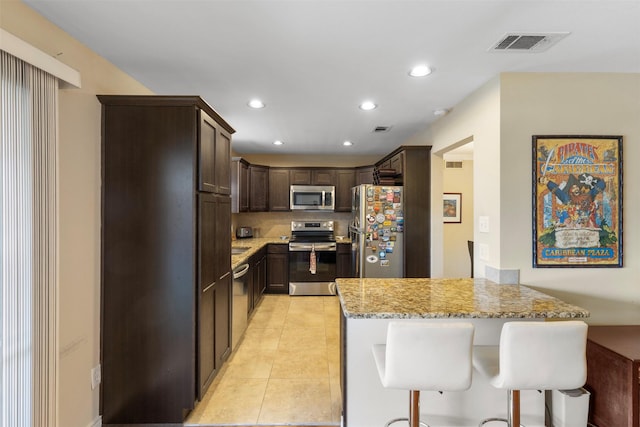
x=312 y=258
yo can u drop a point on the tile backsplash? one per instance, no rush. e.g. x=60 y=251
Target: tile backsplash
x=274 y=224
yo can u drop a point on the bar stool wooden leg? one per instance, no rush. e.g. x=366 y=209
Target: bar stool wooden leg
x=414 y=408
x=514 y=412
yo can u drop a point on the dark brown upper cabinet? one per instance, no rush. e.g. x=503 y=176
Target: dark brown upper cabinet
x=214 y=156
x=279 y=190
x=258 y=188
x=345 y=180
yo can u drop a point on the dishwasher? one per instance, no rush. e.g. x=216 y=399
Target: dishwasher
x=240 y=303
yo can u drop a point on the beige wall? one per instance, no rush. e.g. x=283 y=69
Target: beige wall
x=501 y=118
x=574 y=104
x=456 y=260
x=477 y=119
x=79 y=205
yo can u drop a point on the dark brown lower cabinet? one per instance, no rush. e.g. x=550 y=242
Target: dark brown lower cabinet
x=343 y=260
x=222 y=328
x=259 y=277
x=613 y=375
x=277 y=269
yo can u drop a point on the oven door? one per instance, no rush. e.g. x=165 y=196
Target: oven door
x=307 y=277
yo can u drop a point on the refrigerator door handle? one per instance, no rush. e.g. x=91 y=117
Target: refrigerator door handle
x=354 y=229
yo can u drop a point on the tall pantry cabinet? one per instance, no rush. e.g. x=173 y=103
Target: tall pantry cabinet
x=166 y=261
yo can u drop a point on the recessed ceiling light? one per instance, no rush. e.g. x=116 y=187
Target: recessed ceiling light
x=368 y=105
x=420 y=71
x=347 y=143
x=278 y=143
x=440 y=112
x=256 y=103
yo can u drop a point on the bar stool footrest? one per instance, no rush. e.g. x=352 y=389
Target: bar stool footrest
x=488 y=420
x=396 y=420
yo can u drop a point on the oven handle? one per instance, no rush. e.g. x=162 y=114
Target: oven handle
x=306 y=247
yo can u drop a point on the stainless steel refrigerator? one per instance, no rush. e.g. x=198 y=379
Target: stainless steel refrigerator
x=376 y=231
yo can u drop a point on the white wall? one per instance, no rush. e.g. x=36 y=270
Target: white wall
x=79 y=205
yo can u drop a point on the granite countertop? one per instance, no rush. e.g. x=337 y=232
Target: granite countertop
x=447 y=298
x=254 y=244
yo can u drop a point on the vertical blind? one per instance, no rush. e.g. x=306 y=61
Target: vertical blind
x=28 y=244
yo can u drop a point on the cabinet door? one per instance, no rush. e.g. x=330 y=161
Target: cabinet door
x=206 y=281
x=214 y=157
x=300 y=176
x=364 y=175
x=239 y=185
x=345 y=180
x=323 y=177
x=259 y=277
x=397 y=163
x=244 y=187
x=343 y=260
x=224 y=278
x=222 y=315
x=262 y=274
x=249 y=277
x=223 y=162
x=222 y=237
x=206 y=154
x=279 y=190
x=278 y=269
x=258 y=188
x=206 y=321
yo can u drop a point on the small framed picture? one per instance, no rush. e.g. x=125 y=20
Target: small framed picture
x=452 y=207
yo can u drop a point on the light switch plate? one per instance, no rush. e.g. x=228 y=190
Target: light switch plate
x=483 y=224
x=96 y=377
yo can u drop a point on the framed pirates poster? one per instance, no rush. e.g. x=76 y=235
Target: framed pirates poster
x=577 y=201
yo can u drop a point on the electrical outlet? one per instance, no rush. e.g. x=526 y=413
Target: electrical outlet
x=95 y=377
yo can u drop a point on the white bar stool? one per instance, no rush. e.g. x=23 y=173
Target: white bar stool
x=534 y=356
x=425 y=356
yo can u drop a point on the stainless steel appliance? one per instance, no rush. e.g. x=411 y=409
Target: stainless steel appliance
x=312 y=197
x=244 y=232
x=240 y=300
x=312 y=258
x=376 y=231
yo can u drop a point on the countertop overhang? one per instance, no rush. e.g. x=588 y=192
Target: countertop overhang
x=414 y=298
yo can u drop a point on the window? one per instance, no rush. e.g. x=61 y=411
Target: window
x=28 y=243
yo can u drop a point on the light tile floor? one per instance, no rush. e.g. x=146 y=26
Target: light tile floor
x=285 y=370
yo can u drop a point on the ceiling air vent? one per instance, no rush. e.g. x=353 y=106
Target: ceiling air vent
x=381 y=129
x=527 y=42
x=453 y=165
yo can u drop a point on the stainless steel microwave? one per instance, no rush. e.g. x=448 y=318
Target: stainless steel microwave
x=312 y=197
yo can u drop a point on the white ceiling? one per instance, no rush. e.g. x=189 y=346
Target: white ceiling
x=313 y=61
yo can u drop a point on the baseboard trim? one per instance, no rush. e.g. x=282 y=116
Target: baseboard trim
x=504 y=276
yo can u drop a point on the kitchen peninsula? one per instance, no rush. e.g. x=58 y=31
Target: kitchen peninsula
x=368 y=305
